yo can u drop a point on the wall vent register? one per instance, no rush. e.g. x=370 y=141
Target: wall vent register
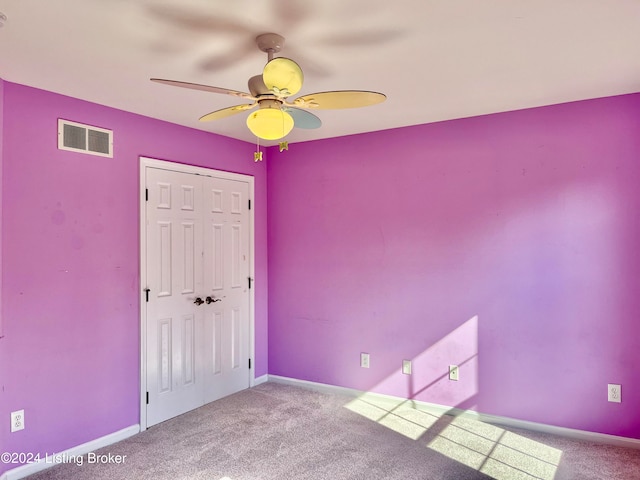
x=85 y=138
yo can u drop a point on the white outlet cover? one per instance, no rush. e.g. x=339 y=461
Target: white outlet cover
x=614 y=393
x=406 y=367
x=454 y=372
x=364 y=360
x=17 y=420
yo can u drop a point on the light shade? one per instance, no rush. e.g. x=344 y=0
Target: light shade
x=270 y=123
x=283 y=76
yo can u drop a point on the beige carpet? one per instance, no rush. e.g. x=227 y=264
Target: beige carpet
x=278 y=432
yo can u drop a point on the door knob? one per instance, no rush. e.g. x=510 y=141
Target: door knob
x=199 y=301
x=212 y=300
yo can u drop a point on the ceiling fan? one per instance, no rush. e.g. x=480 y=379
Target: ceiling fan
x=281 y=78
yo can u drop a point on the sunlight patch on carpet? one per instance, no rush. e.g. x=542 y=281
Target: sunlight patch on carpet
x=401 y=416
x=496 y=452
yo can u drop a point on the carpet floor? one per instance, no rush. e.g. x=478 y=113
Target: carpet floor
x=282 y=432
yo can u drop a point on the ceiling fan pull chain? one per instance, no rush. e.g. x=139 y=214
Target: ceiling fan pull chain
x=257 y=155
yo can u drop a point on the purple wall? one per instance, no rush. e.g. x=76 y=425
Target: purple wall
x=507 y=244
x=1 y=155
x=3 y=361
x=70 y=354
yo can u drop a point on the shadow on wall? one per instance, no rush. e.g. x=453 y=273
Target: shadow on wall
x=491 y=450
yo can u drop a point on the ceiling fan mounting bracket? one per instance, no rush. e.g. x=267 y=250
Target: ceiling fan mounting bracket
x=270 y=42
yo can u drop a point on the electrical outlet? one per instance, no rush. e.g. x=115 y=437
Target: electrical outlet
x=17 y=420
x=364 y=360
x=614 y=392
x=454 y=372
x=406 y=367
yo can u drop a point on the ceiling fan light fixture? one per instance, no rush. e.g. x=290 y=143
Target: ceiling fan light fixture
x=270 y=123
x=283 y=76
x=277 y=115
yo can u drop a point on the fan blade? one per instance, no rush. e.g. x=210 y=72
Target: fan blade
x=283 y=76
x=291 y=12
x=362 y=38
x=204 y=88
x=339 y=99
x=226 y=112
x=198 y=21
x=304 y=119
x=221 y=61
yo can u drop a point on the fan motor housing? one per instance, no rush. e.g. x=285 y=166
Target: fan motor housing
x=270 y=103
x=257 y=86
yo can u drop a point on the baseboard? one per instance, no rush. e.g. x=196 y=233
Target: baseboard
x=31 y=468
x=321 y=387
x=433 y=408
x=260 y=380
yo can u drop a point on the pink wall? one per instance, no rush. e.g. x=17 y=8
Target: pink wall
x=507 y=244
x=3 y=361
x=70 y=354
x=1 y=154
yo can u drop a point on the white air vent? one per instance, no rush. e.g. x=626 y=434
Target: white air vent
x=84 y=138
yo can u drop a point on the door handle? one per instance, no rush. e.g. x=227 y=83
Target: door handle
x=212 y=300
x=198 y=301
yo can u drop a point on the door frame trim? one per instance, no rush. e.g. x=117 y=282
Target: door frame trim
x=146 y=162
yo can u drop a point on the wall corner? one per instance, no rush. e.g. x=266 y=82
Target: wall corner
x=1 y=194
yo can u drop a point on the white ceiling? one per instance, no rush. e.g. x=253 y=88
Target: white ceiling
x=434 y=59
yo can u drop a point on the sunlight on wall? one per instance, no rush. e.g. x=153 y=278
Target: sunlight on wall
x=429 y=380
x=496 y=452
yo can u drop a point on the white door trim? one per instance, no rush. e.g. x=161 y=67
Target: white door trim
x=146 y=162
